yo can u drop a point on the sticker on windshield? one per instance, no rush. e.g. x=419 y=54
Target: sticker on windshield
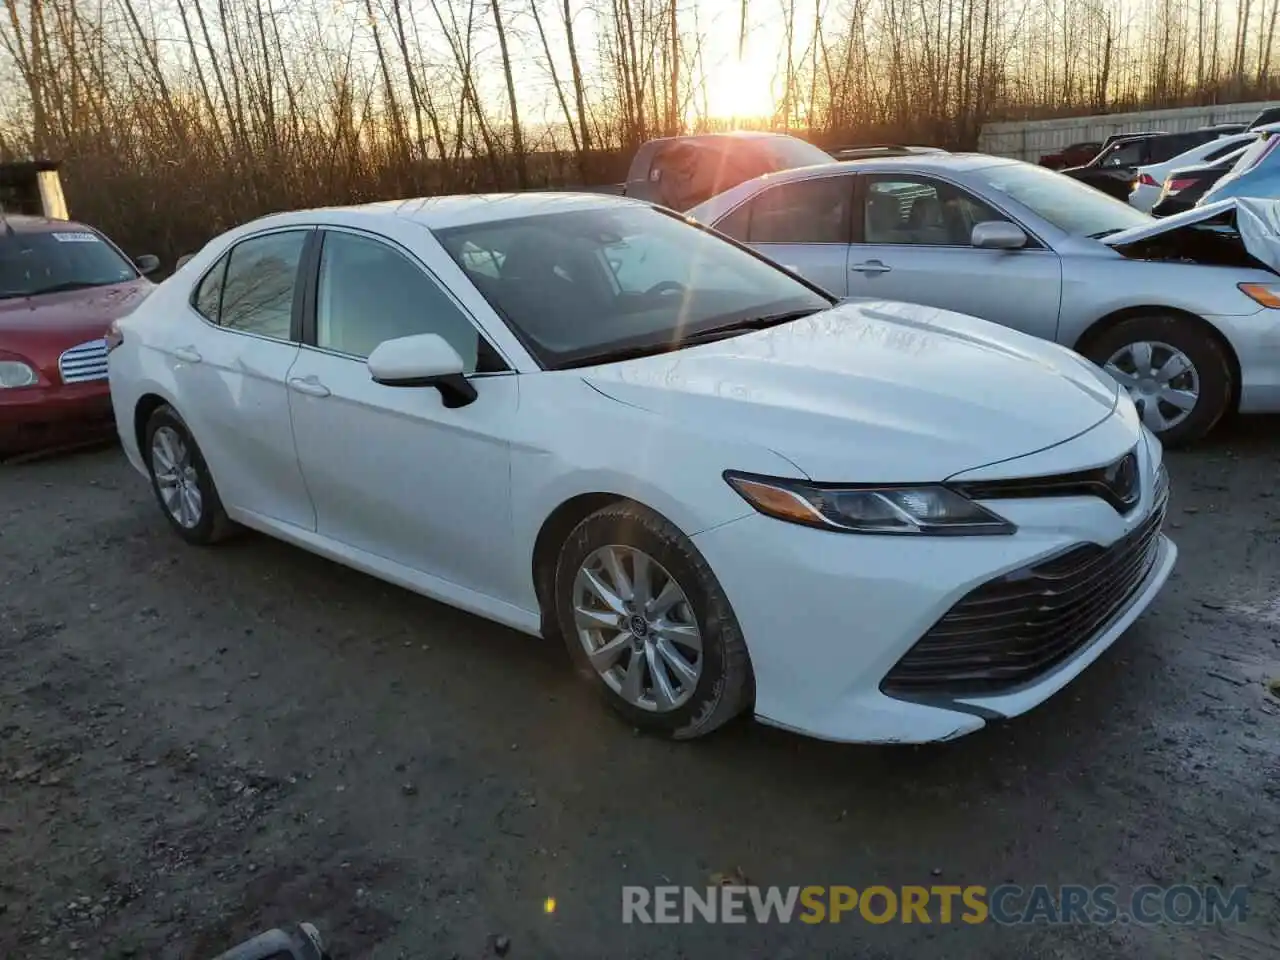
x=81 y=236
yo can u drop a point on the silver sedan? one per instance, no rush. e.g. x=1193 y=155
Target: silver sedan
x=1179 y=310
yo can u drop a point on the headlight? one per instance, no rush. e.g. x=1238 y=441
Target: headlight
x=15 y=373
x=929 y=510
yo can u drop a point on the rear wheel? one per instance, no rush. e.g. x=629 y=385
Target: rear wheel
x=181 y=480
x=647 y=623
x=1178 y=375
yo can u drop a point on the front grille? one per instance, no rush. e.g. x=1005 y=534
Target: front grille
x=1011 y=630
x=85 y=361
x=1116 y=483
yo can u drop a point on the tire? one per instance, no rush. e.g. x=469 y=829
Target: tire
x=208 y=523
x=1211 y=371
x=724 y=685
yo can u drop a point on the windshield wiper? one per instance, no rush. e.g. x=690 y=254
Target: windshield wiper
x=62 y=287
x=702 y=336
x=621 y=353
x=748 y=323
x=1103 y=234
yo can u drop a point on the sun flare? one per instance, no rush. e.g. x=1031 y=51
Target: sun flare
x=741 y=89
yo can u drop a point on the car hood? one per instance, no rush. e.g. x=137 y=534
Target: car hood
x=1256 y=221
x=874 y=391
x=71 y=316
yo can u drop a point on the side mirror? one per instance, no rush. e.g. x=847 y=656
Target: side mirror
x=998 y=235
x=147 y=263
x=423 y=360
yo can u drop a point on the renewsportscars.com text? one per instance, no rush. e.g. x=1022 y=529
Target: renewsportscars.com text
x=1007 y=904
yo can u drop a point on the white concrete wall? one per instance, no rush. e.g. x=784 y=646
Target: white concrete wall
x=1032 y=139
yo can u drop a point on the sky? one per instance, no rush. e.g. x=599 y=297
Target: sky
x=733 y=89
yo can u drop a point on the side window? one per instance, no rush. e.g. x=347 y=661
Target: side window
x=917 y=210
x=1166 y=148
x=808 y=211
x=370 y=293
x=1124 y=155
x=261 y=273
x=737 y=223
x=208 y=295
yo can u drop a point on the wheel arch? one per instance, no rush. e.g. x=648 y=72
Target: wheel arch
x=551 y=536
x=147 y=404
x=1116 y=317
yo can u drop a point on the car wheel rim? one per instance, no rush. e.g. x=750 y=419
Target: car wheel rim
x=1161 y=379
x=176 y=477
x=637 y=627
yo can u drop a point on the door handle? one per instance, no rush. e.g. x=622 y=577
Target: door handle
x=188 y=354
x=871 y=266
x=310 y=386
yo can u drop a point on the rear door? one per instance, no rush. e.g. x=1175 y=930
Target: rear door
x=912 y=236
x=804 y=225
x=231 y=374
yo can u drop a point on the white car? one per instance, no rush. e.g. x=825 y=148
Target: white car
x=1149 y=180
x=585 y=417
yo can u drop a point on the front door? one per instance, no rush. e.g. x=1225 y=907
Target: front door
x=915 y=246
x=393 y=471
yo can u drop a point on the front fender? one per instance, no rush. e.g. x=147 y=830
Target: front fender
x=670 y=467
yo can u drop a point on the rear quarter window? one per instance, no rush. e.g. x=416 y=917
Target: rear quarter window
x=207 y=298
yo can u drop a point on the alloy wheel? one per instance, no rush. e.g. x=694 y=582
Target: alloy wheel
x=638 y=628
x=1161 y=379
x=176 y=477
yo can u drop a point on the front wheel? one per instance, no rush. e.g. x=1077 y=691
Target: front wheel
x=647 y=623
x=1178 y=374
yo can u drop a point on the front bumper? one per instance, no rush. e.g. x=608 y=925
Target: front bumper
x=827 y=615
x=1255 y=338
x=43 y=416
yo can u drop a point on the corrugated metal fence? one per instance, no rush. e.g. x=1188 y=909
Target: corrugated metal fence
x=1032 y=139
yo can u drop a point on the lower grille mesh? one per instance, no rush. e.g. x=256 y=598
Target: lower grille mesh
x=1011 y=630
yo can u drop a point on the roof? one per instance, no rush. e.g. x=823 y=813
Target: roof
x=441 y=213
x=23 y=223
x=710 y=211
x=921 y=162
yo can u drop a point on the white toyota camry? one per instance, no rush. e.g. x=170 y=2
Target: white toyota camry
x=587 y=418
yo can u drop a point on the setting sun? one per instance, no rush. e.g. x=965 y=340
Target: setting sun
x=741 y=89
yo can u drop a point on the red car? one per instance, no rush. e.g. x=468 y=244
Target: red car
x=61 y=285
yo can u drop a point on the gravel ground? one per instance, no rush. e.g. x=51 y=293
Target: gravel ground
x=199 y=744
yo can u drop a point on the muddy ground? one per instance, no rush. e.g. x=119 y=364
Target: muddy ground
x=197 y=744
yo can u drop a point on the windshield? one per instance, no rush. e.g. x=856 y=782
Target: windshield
x=579 y=286
x=1068 y=204
x=46 y=262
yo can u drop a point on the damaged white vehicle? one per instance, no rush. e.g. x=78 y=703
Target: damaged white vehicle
x=587 y=419
x=1184 y=312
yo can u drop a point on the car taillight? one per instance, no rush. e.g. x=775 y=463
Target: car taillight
x=114 y=336
x=1147 y=180
x=1173 y=186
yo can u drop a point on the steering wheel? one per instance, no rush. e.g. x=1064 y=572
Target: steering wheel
x=665 y=286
